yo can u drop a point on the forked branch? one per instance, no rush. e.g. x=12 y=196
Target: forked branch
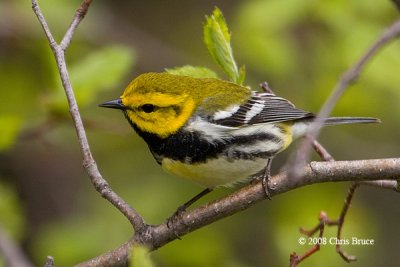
x=301 y=155
x=159 y=235
x=89 y=163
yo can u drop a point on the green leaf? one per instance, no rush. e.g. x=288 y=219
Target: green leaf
x=217 y=40
x=141 y=257
x=192 y=71
x=99 y=71
x=11 y=212
x=10 y=126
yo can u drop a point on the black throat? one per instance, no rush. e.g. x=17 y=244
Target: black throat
x=183 y=146
x=191 y=147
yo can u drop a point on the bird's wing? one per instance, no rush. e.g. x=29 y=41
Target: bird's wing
x=260 y=108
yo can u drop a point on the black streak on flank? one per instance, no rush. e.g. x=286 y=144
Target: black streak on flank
x=189 y=147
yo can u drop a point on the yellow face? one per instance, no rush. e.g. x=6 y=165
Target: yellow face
x=159 y=113
x=161 y=103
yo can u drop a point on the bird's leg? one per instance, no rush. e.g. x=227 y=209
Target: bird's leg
x=193 y=200
x=265 y=178
x=178 y=213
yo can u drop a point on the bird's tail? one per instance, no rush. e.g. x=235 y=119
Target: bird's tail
x=301 y=127
x=348 y=120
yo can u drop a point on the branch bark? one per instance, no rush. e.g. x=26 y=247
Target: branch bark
x=155 y=236
x=89 y=163
x=301 y=155
x=12 y=253
x=316 y=172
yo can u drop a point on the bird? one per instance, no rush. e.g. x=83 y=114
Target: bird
x=213 y=132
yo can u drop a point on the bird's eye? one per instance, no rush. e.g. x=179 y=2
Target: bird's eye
x=148 y=108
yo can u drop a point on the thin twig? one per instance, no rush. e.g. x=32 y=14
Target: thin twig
x=79 y=15
x=320 y=227
x=300 y=157
x=340 y=222
x=89 y=163
x=49 y=262
x=385 y=184
x=324 y=219
x=321 y=151
x=265 y=87
x=11 y=253
x=157 y=236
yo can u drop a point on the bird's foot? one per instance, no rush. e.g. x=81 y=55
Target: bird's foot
x=175 y=218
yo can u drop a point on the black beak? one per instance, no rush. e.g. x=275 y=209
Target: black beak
x=116 y=104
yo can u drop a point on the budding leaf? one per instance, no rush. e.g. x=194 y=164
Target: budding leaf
x=217 y=39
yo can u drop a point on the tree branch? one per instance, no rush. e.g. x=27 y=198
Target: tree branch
x=301 y=155
x=89 y=163
x=159 y=235
x=49 y=262
x=79 y=15
x=13 y=255
x=385 y=184
x=315 y=172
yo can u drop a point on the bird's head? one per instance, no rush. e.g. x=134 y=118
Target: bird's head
x=152 y=108
x=161 y=103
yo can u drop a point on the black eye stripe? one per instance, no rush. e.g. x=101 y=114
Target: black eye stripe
x=148 y=108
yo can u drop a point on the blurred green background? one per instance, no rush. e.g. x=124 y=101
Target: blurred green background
x=47 y=203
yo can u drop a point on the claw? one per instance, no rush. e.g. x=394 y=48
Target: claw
x=174 y=218
x=265 y=179
x=177 y=216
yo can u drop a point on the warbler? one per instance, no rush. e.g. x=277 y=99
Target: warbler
x=211 y=131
